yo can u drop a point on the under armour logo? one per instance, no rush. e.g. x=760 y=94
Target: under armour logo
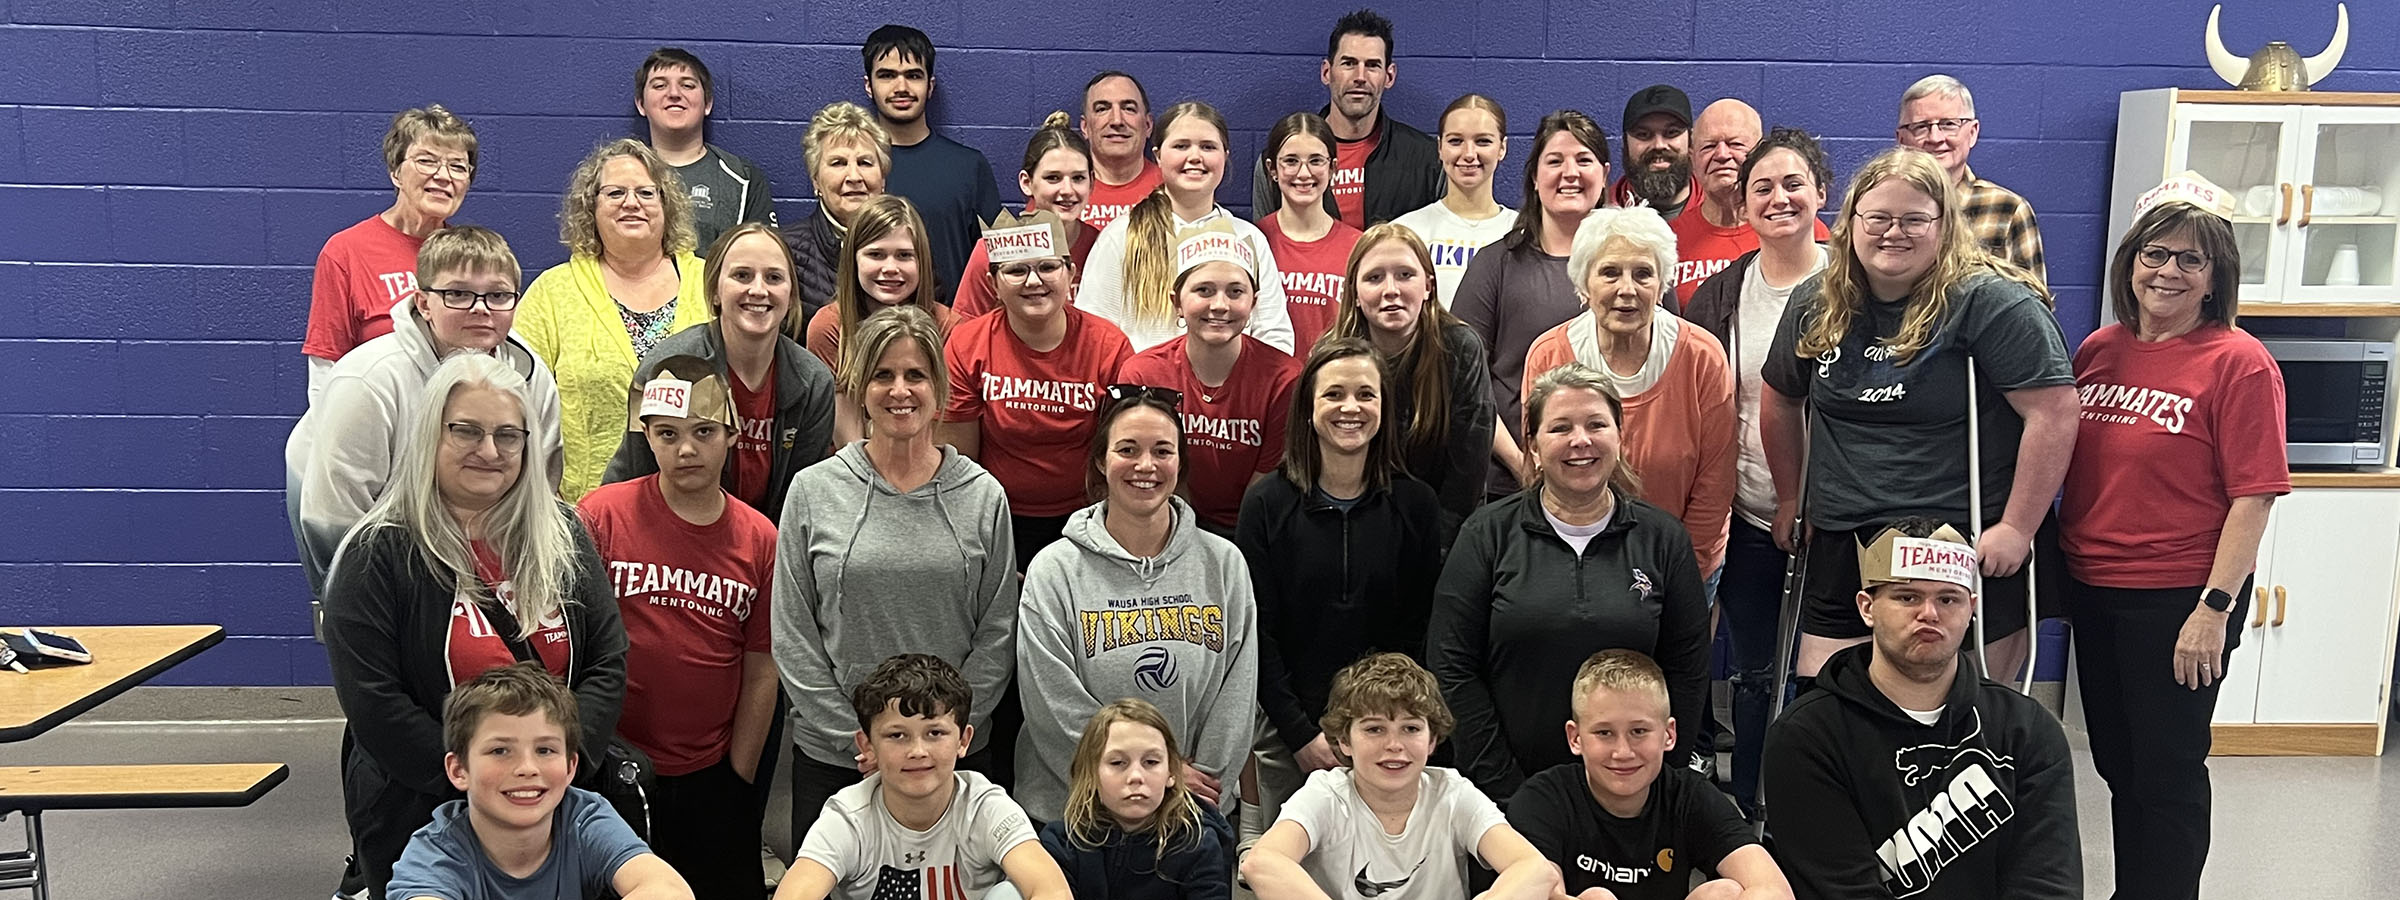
x=912 y=857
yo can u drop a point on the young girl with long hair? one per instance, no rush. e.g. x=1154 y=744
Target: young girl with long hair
x=1133 y=830
x=1309 y=244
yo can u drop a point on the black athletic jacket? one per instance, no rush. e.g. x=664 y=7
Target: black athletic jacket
x=1404 y=173
x=387 y=631
x=817 y=254
x=1870 y=804
x=1333 y=586
x=803 y=413
x=1517 y=611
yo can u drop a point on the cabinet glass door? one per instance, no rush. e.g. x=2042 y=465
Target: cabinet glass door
x=2346 y=235
x=2247 y=150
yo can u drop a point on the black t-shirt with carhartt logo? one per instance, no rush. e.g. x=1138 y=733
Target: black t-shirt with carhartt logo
x=1687 y=825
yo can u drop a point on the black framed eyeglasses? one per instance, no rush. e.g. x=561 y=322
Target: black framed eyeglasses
x=496 y=301
x=1923 y=127
x=1119 y=393
x=2154 y=256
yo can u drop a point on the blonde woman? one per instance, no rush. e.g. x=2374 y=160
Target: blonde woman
x=468 y=563
x=1875 y=353
x=849 y=157
x=630 y=280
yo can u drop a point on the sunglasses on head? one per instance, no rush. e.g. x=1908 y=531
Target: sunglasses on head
x=1120 y=393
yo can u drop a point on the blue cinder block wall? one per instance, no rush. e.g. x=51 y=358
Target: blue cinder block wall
x=169 y=169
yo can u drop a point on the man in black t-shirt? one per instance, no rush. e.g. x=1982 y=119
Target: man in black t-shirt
x=1624 y=826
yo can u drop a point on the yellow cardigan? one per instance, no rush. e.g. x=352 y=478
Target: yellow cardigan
x=568 y=317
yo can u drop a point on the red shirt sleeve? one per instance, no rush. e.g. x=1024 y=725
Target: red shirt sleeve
x=964 y=359
x=330 y=335
x=758 y=631
x=1279 y=409
x=2249 y=428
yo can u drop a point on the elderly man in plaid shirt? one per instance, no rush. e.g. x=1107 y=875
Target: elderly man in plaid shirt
x=1937 y=115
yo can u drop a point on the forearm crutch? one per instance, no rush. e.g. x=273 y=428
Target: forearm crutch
x=1787 y=619
x=1975 y=537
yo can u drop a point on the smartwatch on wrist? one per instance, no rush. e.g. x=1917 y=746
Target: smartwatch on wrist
x=2216 y=599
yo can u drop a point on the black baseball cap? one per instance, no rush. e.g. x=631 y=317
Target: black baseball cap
x=1658 y=98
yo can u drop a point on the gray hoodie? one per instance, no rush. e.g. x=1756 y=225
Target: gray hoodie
x=339 y=458
x=1178 y=629
x=864 y=572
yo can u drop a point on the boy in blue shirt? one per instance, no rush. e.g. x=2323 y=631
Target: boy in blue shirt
x=522 y=832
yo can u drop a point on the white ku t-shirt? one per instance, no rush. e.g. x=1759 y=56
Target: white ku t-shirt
x=1351 y=858
x=1454 y=240
x=874 y=857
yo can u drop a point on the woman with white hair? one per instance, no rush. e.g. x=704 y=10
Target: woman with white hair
x=1671 y=374
x=467 y=563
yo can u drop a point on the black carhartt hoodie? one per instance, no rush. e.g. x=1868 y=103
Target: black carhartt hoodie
x=1865 y=802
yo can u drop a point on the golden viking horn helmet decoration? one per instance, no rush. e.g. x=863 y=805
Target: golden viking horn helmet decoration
x=2276 y=66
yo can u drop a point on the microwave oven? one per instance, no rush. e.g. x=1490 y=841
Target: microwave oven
x=2333 y=400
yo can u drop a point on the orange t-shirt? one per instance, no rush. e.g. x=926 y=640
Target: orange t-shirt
x=1679 y=434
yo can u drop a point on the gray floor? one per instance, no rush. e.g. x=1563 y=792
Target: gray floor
x=2316 y=828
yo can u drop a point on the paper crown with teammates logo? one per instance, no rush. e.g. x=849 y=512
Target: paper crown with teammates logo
x=1036 y=235
x=1894 y=557
x=683 y=387
x=2187 y=187
x=1215 y=241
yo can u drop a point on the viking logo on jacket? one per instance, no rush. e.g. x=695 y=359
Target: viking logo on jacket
x=1962 y=805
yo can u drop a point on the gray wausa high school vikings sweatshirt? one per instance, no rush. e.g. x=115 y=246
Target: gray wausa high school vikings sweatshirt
x=864 y=572
x=1097 y=624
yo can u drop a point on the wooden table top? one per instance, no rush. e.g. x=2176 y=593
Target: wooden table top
x=137 y=787
x=122 y=656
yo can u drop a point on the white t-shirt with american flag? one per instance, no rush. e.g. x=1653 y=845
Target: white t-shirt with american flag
x=873 y=857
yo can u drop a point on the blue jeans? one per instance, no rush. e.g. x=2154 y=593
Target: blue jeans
x=1750 y=596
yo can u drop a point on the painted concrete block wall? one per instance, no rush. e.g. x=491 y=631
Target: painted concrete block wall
x=169 y=168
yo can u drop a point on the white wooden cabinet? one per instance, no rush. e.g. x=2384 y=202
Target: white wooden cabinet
x=2314 y=174
x=2315 y=663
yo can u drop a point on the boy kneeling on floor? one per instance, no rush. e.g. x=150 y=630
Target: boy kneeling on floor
x=1386 y=827
x=1622 y=825
x=522 y=832
x=918 y=827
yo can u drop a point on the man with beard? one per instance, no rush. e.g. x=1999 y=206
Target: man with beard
x=1710 y=234
x=1658 y=152
x=1909 y=774
x=1116 y=123
x=1382 y=169
x=950 y=183
x=1937 y=115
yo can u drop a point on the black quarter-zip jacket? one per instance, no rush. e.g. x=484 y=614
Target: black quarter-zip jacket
x=1517 y=611
x=1333 y=586
x=1868 y=803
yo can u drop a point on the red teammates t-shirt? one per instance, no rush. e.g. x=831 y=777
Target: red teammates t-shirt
x=1312 y=276
x=2170 y=433
x=1350 y=178
x=363 y=272
x=1703 y=249
x=1230 y=432
x=975 y=295
x=1109 y=201
x=476 y=645
x=1037 y=409
x=752 y=460
x=694 y=598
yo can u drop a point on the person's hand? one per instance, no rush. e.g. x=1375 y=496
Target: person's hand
x=1786 y=524
x=1203 y=785
x=1317 y=755
x=747 y=773
x=2200 y=648
x=2003 y=549
x=1595 y=893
